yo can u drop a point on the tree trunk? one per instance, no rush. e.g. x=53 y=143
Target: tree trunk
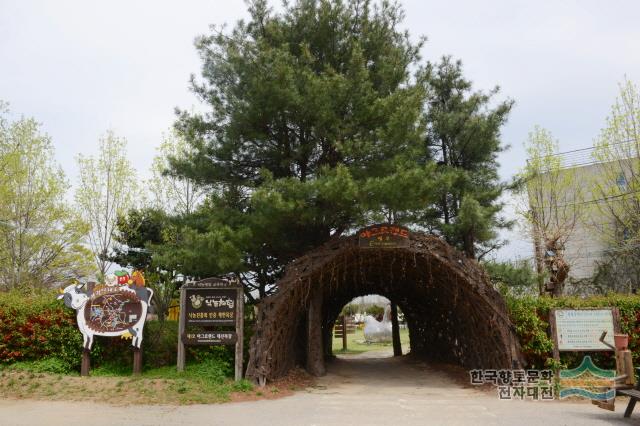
x=315 y=353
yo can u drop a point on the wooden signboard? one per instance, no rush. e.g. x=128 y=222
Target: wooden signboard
x=210 y=338
x=579 y=330
x=213 y=302
x=117 y=308
x=211 y=306
x=383 y=236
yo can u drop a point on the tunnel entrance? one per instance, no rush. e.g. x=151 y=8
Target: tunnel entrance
x=370 y=326
x=452 y=311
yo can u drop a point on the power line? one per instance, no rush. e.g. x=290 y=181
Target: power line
x=617 y=197
x=584 y=156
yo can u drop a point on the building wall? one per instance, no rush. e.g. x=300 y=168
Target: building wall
x=586 y=244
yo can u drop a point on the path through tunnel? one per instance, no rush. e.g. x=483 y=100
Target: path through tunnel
x=453 y=313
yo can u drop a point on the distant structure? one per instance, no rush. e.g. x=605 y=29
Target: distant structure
x=586 y=245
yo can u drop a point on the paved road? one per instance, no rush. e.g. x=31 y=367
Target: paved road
x=365 y=391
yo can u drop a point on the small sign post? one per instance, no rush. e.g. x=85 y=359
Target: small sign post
x=579 y=330
x=212 y=302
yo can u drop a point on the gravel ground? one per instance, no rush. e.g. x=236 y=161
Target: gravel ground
x=359 y=390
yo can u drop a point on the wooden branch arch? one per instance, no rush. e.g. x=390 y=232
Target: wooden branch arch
x=453 y=312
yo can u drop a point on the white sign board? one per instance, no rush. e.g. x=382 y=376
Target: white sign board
x=580 y=330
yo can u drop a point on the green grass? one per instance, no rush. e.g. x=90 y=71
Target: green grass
x=203 y=382
x=357 y=345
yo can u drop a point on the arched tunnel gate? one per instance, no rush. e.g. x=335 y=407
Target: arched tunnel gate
x=452 y=311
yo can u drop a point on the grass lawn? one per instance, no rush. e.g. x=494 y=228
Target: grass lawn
x=356 y=343
x=199 y=384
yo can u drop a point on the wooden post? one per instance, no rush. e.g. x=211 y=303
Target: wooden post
x=315 y=359
x=137 y=361
x=86 y=362
x=554 y=337
x=181 y=329
x=395 y=331
x=239 y=333
x=344 y=332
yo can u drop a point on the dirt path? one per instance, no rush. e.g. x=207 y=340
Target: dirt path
x=358 y=390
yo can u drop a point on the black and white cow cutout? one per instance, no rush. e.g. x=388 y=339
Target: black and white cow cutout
x=109 y=311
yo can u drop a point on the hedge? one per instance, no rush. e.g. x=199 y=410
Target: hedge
x=531 y=318
x=37 y=326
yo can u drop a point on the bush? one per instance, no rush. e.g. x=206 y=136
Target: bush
x=375 y=310
x=36 y=327
x=513 y=279
x=41 y=334
x=531 y=318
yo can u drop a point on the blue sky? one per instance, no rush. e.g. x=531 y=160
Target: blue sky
x=82 y=67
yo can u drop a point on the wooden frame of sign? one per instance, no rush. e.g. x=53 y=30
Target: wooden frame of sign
x=383 y=236
x=212 y=302
x=559 y=345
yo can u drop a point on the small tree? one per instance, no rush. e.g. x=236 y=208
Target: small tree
x=616 y=186
x=136 y=234
x=106 y=188
x=170 y=193
x=463 y=136
x=40 y=235
x=553 y=199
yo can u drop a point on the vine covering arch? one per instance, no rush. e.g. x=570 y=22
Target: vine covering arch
x=453 y=312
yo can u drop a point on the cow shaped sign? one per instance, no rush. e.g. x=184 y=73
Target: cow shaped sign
x=117 y=308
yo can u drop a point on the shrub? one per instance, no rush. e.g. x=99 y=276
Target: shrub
x=375 y=310
x=531 y=318
x=37 y=326
x=41 y=334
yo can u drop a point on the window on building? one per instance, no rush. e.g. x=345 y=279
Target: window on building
x=622 y=182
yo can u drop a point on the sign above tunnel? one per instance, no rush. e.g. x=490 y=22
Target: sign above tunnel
x=383 y=236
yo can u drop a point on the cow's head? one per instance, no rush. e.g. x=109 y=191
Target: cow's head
x=74 y=296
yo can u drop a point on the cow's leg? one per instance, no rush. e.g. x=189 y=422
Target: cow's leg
x=138 y=337
x=134 y=340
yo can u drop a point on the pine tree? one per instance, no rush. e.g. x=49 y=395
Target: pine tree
x=315 y=126
x=463 y=136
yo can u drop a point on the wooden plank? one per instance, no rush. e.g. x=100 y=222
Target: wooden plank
x=86 y=362
x=137 y=361
x=395 y=331
x=240 y=334
x=181 y=329
x=344 y=334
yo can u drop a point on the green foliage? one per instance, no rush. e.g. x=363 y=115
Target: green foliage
x=551 y=196
x=375 y=310
x=616 y=218
x=316 y=125
x=106 y=188
x=463 y=136
x=52 y=365
x=36 y=326
x=512 y=279
x=531 y=315
x=42 y=334
x=137 y=233
x=350 y=309
x=40 y=235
